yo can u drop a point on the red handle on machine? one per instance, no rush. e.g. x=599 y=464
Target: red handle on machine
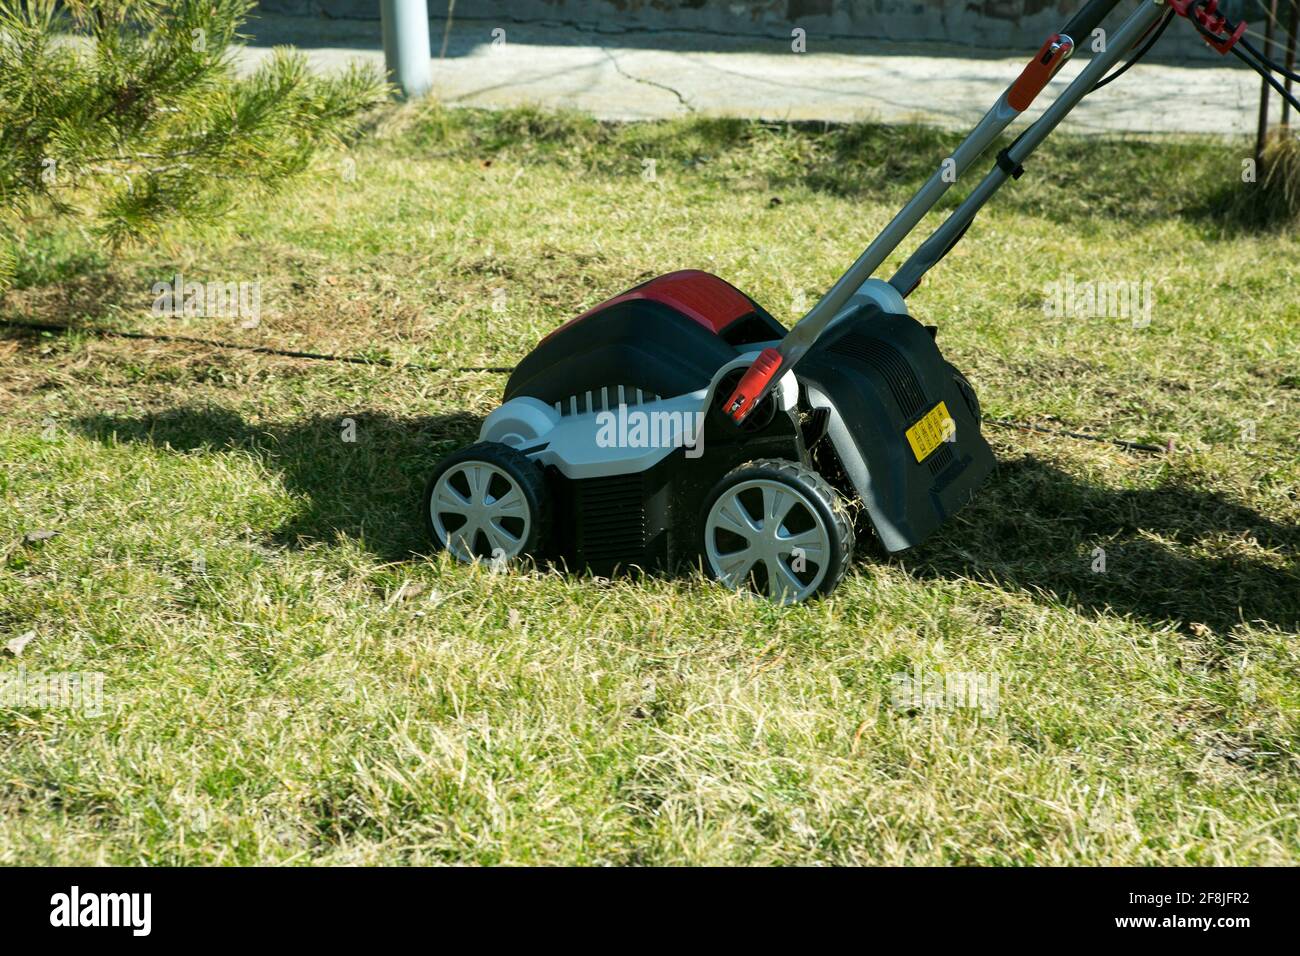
x=753 y=384
x=1039 y=71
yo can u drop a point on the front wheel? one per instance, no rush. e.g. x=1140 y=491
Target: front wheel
x=777 y=528
x=487 y=501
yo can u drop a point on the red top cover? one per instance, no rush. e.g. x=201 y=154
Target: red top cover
x=710 y=301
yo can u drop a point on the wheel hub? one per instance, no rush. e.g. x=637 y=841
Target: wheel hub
x=765 y=534
x=479 y=511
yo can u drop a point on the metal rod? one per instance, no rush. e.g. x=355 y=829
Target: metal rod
x=406 y=45
x=1290 y=58
x=759 y=379
x=446 y=30
x=985 y=133
x=1261 y=134
x=942 y=239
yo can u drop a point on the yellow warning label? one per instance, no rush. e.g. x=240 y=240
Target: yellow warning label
x=931 y=431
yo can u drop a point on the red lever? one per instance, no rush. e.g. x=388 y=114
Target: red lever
x=752 y=384
x=1039 y=72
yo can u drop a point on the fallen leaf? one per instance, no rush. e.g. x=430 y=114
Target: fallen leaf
x=857 y=737
x=15 y=646
x=409 y=589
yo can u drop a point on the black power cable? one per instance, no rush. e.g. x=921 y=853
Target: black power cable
x=1145 y=49
x=1256 y=60
x=1081 y=436
x=1262 y=66
x=1271 y=64
x=387 y=363
x=1272 y=81
x=259 y=349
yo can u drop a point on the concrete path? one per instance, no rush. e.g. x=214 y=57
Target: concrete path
x=649 y=75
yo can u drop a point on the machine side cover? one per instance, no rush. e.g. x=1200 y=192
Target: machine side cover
x=879 y=374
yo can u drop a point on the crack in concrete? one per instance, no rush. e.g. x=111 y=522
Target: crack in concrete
x=637 y=79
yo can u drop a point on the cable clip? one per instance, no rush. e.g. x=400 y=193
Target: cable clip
x=1009 y=165
x=1213 y=26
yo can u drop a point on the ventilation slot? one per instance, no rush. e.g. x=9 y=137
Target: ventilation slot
x=941 y=459
x=611 y=520
x=891 y=366
x=606 y=398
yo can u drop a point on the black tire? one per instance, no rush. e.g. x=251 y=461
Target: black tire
x=532 y=532
x=817 y=505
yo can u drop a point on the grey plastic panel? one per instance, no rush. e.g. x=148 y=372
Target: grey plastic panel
x=573 y=442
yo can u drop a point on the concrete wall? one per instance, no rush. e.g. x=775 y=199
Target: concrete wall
x=1005 y=24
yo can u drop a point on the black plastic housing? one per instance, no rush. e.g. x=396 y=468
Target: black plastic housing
x=653 y=520
x=877 y=374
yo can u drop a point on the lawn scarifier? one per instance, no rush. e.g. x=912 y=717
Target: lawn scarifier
x=597 y=455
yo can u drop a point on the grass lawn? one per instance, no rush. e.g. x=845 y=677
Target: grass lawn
x=288 y=678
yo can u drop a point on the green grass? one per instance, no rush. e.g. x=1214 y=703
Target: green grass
x=314 y=690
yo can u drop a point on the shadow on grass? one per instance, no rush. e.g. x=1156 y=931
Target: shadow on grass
x=1172 y=553
x=1235 y=209
x=368 y=489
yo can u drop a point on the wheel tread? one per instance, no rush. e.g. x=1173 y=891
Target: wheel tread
x=834 y=501
x=513 y=462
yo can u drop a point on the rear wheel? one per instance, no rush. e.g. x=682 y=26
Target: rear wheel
x=777 y=528
x=487 y=502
